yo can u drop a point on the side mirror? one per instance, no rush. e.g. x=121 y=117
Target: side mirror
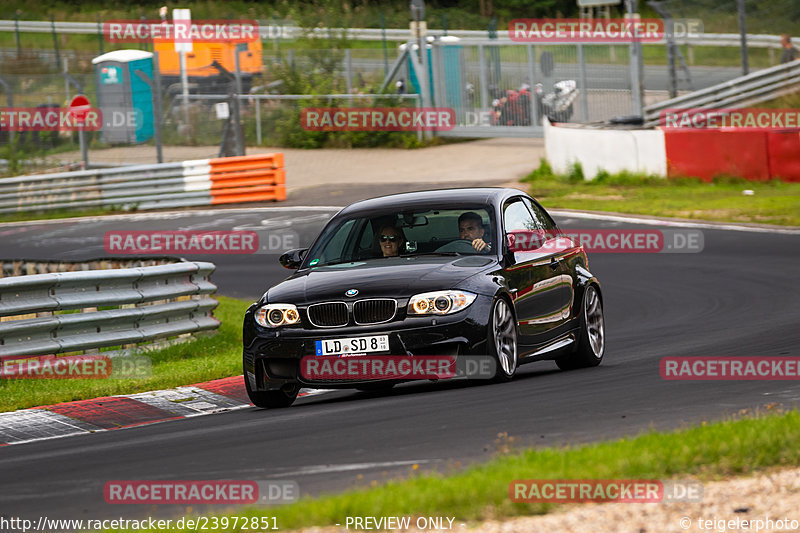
x=293 y=258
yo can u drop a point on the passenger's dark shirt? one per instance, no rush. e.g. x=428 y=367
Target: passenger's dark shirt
x=789 y=54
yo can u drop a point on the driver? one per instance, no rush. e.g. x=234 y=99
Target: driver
x=470 y=227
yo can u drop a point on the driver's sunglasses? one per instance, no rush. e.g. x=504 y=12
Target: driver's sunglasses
x=390 y=238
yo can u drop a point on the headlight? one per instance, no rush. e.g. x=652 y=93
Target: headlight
x=440 y=302
x=275 y=315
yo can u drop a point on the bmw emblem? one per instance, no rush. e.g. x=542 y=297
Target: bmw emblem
x=351 y=292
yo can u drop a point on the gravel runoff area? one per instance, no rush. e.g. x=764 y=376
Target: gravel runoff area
x=732 y=505
x=469 y=163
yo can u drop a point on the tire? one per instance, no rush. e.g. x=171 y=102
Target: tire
x=273 y=399
x=502 y=340
x=592 y=337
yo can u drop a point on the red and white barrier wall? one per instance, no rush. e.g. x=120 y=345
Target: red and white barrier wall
x=755 y=155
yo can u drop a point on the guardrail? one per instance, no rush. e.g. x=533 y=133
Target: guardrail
x=271 y=31
x=754 y=88
x=149 y=304
x=28 y=267
x=222 y=180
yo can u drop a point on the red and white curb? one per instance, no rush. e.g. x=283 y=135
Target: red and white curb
x=124 y=411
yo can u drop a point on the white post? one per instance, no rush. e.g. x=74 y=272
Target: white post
x=182 y=22
x=185 y=90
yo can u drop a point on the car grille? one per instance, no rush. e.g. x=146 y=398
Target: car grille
x=373 y=311
x=328 y=315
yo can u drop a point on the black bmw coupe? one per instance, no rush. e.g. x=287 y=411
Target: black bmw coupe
x=456 y=272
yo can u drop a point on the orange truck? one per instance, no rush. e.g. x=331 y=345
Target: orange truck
x=199 y=60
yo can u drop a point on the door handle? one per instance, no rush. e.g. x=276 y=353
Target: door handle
x=554 y=263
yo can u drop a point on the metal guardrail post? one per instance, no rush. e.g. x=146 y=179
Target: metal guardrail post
x=16 y=33
x=582 y=84
x=258 y=121
x=532 y=77
x=348 y=69
x=743 y=33
x=10 y=99
x=636 y=68
x=55 y=41
x=483 y=79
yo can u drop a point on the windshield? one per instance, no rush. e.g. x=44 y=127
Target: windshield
x=455 y=231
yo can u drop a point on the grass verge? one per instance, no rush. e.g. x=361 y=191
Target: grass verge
x=59 y=213
x=722 y=200
x=201 y=359
x=737 y=446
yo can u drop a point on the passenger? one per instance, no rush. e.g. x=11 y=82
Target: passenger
x=392 y=241
x=470 y=227
x=789 y=52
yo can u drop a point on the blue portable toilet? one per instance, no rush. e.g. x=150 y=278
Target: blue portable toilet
x=452 y=65
x=125 y=100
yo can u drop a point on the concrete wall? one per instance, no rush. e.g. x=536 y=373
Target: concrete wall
x=603 y=149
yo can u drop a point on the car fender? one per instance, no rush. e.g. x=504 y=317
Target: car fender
x=584 y=278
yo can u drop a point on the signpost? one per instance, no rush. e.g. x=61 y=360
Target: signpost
x=183 y=17
x=78 y=108
x=420 y=65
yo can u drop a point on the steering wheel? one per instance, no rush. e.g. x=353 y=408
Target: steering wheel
x=458 y=245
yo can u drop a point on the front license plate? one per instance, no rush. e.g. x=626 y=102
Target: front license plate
x=376 y=343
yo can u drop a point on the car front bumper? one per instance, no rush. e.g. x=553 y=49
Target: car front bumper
x=272 y=356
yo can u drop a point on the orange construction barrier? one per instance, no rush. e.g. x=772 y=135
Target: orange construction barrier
x=249 y=178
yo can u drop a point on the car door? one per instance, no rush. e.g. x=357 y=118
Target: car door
x=541 y=289
x=565 y=251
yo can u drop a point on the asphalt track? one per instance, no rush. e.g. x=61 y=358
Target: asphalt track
x=738 y=297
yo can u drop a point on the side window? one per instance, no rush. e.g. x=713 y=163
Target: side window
x=516 y=217
x=543 y=220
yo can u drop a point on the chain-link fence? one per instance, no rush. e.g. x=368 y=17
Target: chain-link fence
x=276 y=120
x=493 y=86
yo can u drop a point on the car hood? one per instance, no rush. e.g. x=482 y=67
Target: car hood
x=394 y=277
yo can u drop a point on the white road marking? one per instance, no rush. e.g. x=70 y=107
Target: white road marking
x=636 y=219
x=632 y=219
x=171 y=215
x=327 y=469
